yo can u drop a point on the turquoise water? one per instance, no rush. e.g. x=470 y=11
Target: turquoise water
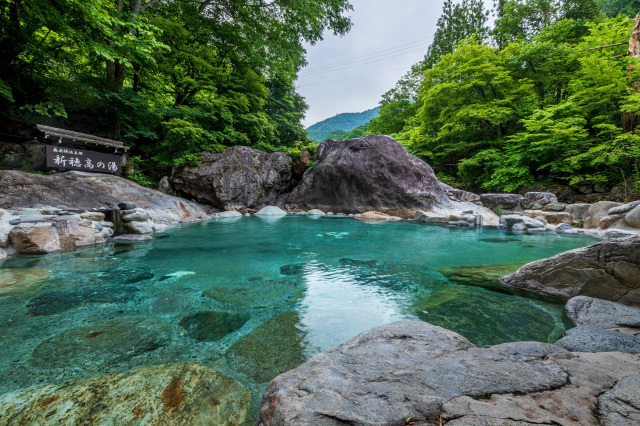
x=254 y=297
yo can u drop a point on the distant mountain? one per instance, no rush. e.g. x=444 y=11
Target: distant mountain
x=346 y=122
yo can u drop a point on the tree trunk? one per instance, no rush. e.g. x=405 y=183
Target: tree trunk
x=629 y=118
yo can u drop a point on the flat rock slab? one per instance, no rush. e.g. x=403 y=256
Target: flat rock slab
x=590 y=339
x=416 y=372
x=404 y=370
x=170 y=394
x=599 y=313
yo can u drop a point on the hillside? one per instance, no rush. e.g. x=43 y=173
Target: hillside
x=346 y=121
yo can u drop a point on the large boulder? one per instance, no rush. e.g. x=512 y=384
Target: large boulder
x=456 y=194
x=608 y=270
x=599 y=210
x=633 y=217
x=553 y=218
x=375 y=173
x=537 y=200
x=74 y=234
x=585 y=338
x=416 y=372
x=600 y=313
x=371 y=173
x=91 y=191
x=240 y=177
x=620 y=406
x=579 y=212
x=170 y=394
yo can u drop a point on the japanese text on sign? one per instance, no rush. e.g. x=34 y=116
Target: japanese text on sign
x=74 y=159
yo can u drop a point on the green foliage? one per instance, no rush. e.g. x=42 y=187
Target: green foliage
x=345 y=122
x=134 y=171
x=541 y=102
x=171 y=79
x=614 y=8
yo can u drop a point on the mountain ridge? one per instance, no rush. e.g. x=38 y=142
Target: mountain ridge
x=346 y=121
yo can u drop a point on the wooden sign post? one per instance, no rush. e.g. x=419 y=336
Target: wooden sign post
x=62 y=158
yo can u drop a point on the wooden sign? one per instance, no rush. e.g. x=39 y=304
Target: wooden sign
x=80 y=159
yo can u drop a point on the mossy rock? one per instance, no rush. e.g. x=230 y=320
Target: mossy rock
x=481 y=275
x=17 y=281
x=258 y=294
x=212 y=326
x=271 y=349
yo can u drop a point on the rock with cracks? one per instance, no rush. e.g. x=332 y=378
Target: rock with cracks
x=608 y=270
x=420 y=373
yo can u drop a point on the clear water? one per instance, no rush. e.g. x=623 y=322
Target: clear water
x=254 y=297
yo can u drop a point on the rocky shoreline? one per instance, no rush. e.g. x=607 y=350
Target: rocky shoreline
x=401 y=373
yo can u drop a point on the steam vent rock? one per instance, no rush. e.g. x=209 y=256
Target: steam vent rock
x=371 y=173
x=240 y=177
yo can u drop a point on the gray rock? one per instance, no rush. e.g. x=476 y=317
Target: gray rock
x=505 y=201
x=532 y=223
x=542 y=220
x=510 y=220
x=606 y=270
x=600 y=313
x=247 y=214
x=599 y=210
x=625 y=208
x=127 y=205
x=139 y=215
x=91 y=191
x=62 y=207
x=240 y=177
x=609 y=220
x=97 y=226
x=459 y=195
x=555 y=207
x=531 y=199
x=382 y=176
x=164 y=186
x=633 y=217
x=519 y=227
x=106 y=232
x=536 y=230
x=26 y=212
x=591 y=339
x=107 y=224
x=551 y=217
x=620 y=406
x=271 y=211
x=429 y=217
x=28 y=219
x=132 y=238
x=315 y=212
x=138 y=227
x=404 y=370
x=66 y=217
x=579 y=212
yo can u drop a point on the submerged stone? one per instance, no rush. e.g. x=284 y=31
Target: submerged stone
x=105 y=342
x=499 y=240
x=258 y=294
x=170 y=394
x=273 y=348
x=59 y=301
x=359 y=263
x=481 y=275
x=212 y=326
x=300 y=269
x=173 y=301
x=17 y=281
x=503 y=318
x=127 y=275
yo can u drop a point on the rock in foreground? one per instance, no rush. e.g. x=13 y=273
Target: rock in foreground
x=608 y=270
x=172 y=394
x=426 y=373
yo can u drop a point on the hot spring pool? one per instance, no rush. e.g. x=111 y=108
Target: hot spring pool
x=255 y=297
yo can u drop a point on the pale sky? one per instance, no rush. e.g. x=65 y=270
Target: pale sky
x=350 y=73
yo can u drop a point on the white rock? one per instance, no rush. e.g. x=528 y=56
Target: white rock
x=315 y=212
x=226 y=215
x=271 y=211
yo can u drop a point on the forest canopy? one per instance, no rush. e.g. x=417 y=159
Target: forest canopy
x=548 y=95
x=171 y=78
